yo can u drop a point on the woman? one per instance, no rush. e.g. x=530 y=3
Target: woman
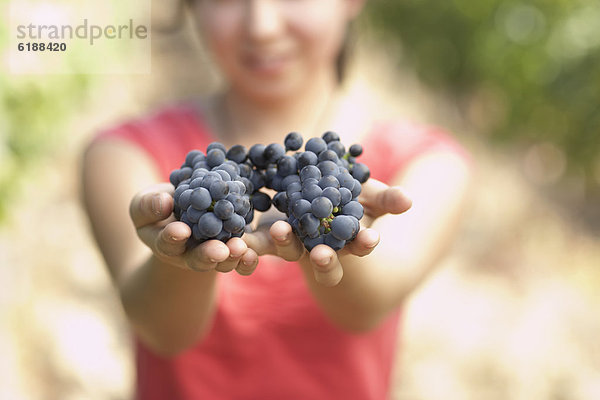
x=289 y=324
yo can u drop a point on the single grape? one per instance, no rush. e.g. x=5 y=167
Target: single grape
x=216 y=145
x=237 y=153
x=215 y=157
x=333 y=195
x=256 y=155
x=321 y=207
x=311 y=192
x=309 y=224
x=333 y=242
x=337 y=147
x=293 y=141
x=329 y=181
x=273 y=152
x=316 y=145
x=301 y=207
x=346 y=195
x=310 y=171
x=280 y=201
x=343 y=227
x=330 y=136
x=190 y=156
x=235 y=224
x=287 y=165
x=218 y=190
x=355 y=150
x=353 y=208
x=261 y=201
x=200 y=198
x=209 y=224
x=328 y=168
x=307 y=158
x=223 y=209
x=361 y=172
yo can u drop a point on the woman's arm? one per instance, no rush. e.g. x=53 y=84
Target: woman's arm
x=361 y=284
x=168 y=303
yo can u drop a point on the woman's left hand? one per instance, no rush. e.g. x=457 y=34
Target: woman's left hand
x=278 y=238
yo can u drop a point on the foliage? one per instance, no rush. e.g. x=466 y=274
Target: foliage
x=537 y=62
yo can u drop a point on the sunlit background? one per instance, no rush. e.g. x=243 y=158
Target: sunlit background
x=511 y=313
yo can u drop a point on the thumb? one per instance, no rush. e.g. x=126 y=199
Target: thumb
x=151 y=205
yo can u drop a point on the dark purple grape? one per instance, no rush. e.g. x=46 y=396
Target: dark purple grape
x=337 y=147
x=361 y=172
x=293 y=187
x=293 y=141
x=307 y=158
x=328 y=155
x=353 y=208
x=218 y=190
x=355 y=150
x=285 y=182
x=356 y=190
x=333 y=195
x=209 y=225
x=343 y=227
x=333 y=242
x=321 y=207
x=234 y=224
x=237 y=153
x=310 y=171
x=193 y=214
x=346 y=195
x=287 y=165
x=261 y=201
x=256 y=155
x=200 y=199
x=311 y=243
x=215 y=157
x=316 y=145
x=329 y=181
x=328 y=168
x=184 y=200
x=311 y=192
x=189 y=158
x=280 y=201
x=308 y=224
x=223 y=209
x=330 y=136
x=216 y=145
x=346 y=180
x=301 y=207
x=274 y=152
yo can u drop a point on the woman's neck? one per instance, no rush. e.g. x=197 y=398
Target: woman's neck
x=244 y=120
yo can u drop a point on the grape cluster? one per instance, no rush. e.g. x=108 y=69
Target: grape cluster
x=217 y=192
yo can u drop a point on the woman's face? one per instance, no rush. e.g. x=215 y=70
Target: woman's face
x=271 y=49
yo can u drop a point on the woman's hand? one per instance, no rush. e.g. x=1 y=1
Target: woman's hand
x=151 y=211
x=278 y=238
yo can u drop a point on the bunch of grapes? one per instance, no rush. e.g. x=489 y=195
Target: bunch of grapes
x=217 y=192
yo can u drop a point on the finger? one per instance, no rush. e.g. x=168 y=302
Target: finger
x=172 y=239
x=260 y=241
x=286 y=243
x=248 y=263
x=379 y=199
x=207 y=255
x=326 y=265
x=151 y=205
x=363 y=244
x=237 y=248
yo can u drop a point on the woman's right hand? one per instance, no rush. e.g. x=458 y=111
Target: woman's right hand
x=151 y=211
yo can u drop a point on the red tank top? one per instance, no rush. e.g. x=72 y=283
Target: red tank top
x=269 y=339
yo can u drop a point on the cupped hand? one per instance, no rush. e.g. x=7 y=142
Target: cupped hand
x=151 y=211
x=278 y=238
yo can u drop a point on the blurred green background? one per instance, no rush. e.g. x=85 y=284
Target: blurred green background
x=534 y=66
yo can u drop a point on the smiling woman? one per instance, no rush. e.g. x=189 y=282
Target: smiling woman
x=259 y=316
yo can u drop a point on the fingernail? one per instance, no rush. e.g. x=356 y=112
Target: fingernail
x=324 y=261
x=247 y=263
x=157 y=204
x=281 y=238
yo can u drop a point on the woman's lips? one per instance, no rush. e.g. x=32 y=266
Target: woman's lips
x=266 y=64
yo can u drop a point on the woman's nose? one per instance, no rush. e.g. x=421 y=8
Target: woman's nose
x=263 y=19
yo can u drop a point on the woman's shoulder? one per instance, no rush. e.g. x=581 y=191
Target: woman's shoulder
x=165 y=133
x=390 y=145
